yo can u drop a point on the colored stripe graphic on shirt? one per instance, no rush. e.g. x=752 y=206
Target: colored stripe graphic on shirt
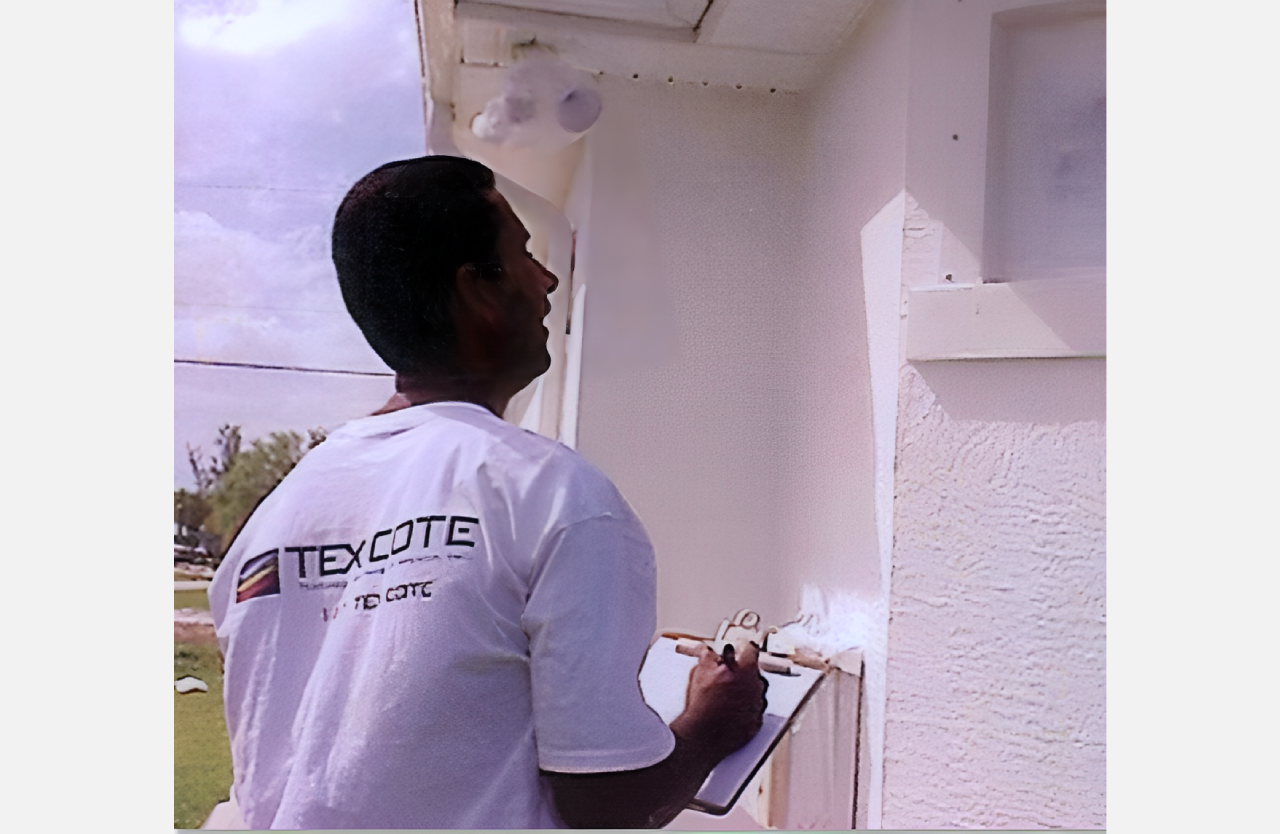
x=260 y=576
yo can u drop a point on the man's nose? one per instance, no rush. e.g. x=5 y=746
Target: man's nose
x=555 y=282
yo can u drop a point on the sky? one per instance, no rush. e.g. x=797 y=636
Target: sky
x=279 y=106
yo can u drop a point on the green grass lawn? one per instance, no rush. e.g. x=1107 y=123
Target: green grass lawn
x=191 y=599
x=201 y=752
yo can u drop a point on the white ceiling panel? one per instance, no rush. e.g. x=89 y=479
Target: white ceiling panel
x=804 y=27
x=677 y=14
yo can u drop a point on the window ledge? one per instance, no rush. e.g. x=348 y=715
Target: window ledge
x=1056 y=317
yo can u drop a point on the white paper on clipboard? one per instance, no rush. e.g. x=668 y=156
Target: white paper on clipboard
x=664 y=682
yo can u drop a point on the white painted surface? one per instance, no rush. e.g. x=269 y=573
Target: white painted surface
x=882 y=263
x=674 y=13
x=751 y=455
x=947 y=145
x=1046 y=206
x=855 y=153
x=932 y=255
x=1020 y=390
x=882 y=255
x=807 y=27
x=995 y=706
x=686 y=381
x=742 y=43
x=949 y=79
x=1052 y=317
x=997 y=649
x=524 y=25
x=573 y=372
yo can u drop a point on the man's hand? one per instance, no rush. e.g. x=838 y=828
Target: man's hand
x=725 y=703
x=723 y=711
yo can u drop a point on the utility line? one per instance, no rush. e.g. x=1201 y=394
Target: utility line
x=257 y=367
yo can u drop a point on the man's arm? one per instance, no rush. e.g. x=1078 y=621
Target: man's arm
x=725 y=707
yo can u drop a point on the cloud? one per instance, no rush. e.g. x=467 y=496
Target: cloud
x=248 y=28
x=245 y=297
x=214 y=264
x=321 y=106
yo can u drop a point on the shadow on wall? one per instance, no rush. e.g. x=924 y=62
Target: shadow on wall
x=1051 y=391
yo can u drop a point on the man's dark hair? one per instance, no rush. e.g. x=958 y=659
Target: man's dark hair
x=399 y=237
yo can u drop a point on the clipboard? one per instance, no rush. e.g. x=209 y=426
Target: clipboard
x=664 y=682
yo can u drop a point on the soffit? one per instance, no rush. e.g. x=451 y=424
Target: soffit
x=767 y=44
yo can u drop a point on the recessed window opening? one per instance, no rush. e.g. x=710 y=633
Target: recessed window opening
x=1047 y=144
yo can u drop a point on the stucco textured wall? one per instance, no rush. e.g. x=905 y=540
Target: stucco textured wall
x=996 y=713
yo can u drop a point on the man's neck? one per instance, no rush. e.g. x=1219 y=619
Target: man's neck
x=414 y=390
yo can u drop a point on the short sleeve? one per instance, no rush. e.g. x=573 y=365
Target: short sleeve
x=590 y=616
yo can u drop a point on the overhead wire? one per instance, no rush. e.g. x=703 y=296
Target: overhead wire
x=294 y=368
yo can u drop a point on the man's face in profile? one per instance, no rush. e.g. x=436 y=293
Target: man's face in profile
x=520 y=293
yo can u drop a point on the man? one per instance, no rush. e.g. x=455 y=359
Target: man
x=437 y=619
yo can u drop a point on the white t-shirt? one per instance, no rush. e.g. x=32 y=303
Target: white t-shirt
x=432 y=606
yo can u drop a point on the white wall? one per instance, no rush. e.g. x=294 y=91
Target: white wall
x=996 y=707
x=748 y=441
x=745 y=441
x=695 y=431
x=855 y=152
x=748 y=448
x=996 y=714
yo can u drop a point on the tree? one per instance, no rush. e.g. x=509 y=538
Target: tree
x=247 y=478
x=207 y=474
x=190 y=509
x=231 y=483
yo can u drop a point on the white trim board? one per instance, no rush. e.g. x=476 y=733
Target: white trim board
x=1054 y=317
